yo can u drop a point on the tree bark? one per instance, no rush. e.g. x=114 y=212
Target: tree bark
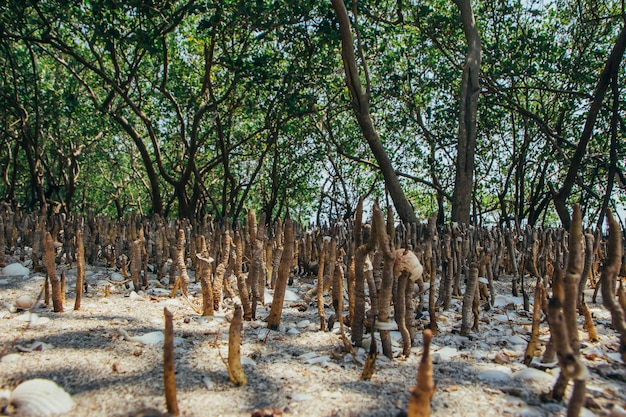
x=470 y=91
x=361 y=104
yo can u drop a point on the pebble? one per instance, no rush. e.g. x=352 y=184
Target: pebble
x=301 y=397
x=496 y=374
x=11 y=357
x=532 y=375
x=15 y=270
x=24 y=302
x=446 y=353
x=303 y=323
x=530 y=412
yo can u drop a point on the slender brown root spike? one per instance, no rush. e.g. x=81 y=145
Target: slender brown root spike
x=49 y=254
x=422 y=393
x=235 y=370
x=169 y=377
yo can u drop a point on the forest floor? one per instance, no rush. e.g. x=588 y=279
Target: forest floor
x=298 y=369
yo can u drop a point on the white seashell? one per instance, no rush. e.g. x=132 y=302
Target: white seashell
x=151 y=338
x=15 y=270
x=247 y=361
x=209 y=259
x=24 y=302
x=407 y=261
x=41 y=398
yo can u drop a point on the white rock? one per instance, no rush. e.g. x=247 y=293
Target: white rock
x=291 y=296
x=516 y=340
x=615 y=356
x=247 y=361
x=15 y=270
x=502 y=374
x=532 y=375
x=3 y=282
x=116 y=276
x=208 y=383
x=303 y=323
x=447 y=353
x=301 y=397
x=504 y=300
x=530 y=412
x=11 y=357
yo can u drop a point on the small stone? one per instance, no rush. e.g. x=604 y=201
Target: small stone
x=118 y=368
x=501 y=358
x=24 y=302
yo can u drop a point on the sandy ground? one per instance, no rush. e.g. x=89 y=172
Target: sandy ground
x=108 y=357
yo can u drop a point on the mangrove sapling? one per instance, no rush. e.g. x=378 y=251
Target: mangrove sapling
x=235 y=370
x=584 y=278
x=430 y=265
x=609 y=282
x=169 y=372
x=422 y=393
x=3 y=242
x=360 y=255
x=457 y=259
x=277 y=252
x=51 y=273
x=468 y=299
x=242 y=286
x=588 y=325
x=320 y=285
x=534 y=333
x=80 y=269
x=284 y=269
x=370 y=363
x=447 y=273
x=220 y=271
x=338 y=283
x=261 y=236
x=204 y=272
x=337 y=287
x=386 y=287
x=135 y=264
x=563 y=326
x=400 y=312
x=407 y=270
x=512 y=251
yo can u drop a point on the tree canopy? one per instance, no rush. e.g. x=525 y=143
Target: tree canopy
x=192 y=108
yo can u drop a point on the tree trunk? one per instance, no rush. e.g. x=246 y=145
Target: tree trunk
x=610 y=70
x=470 y=91
x=361 y=104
